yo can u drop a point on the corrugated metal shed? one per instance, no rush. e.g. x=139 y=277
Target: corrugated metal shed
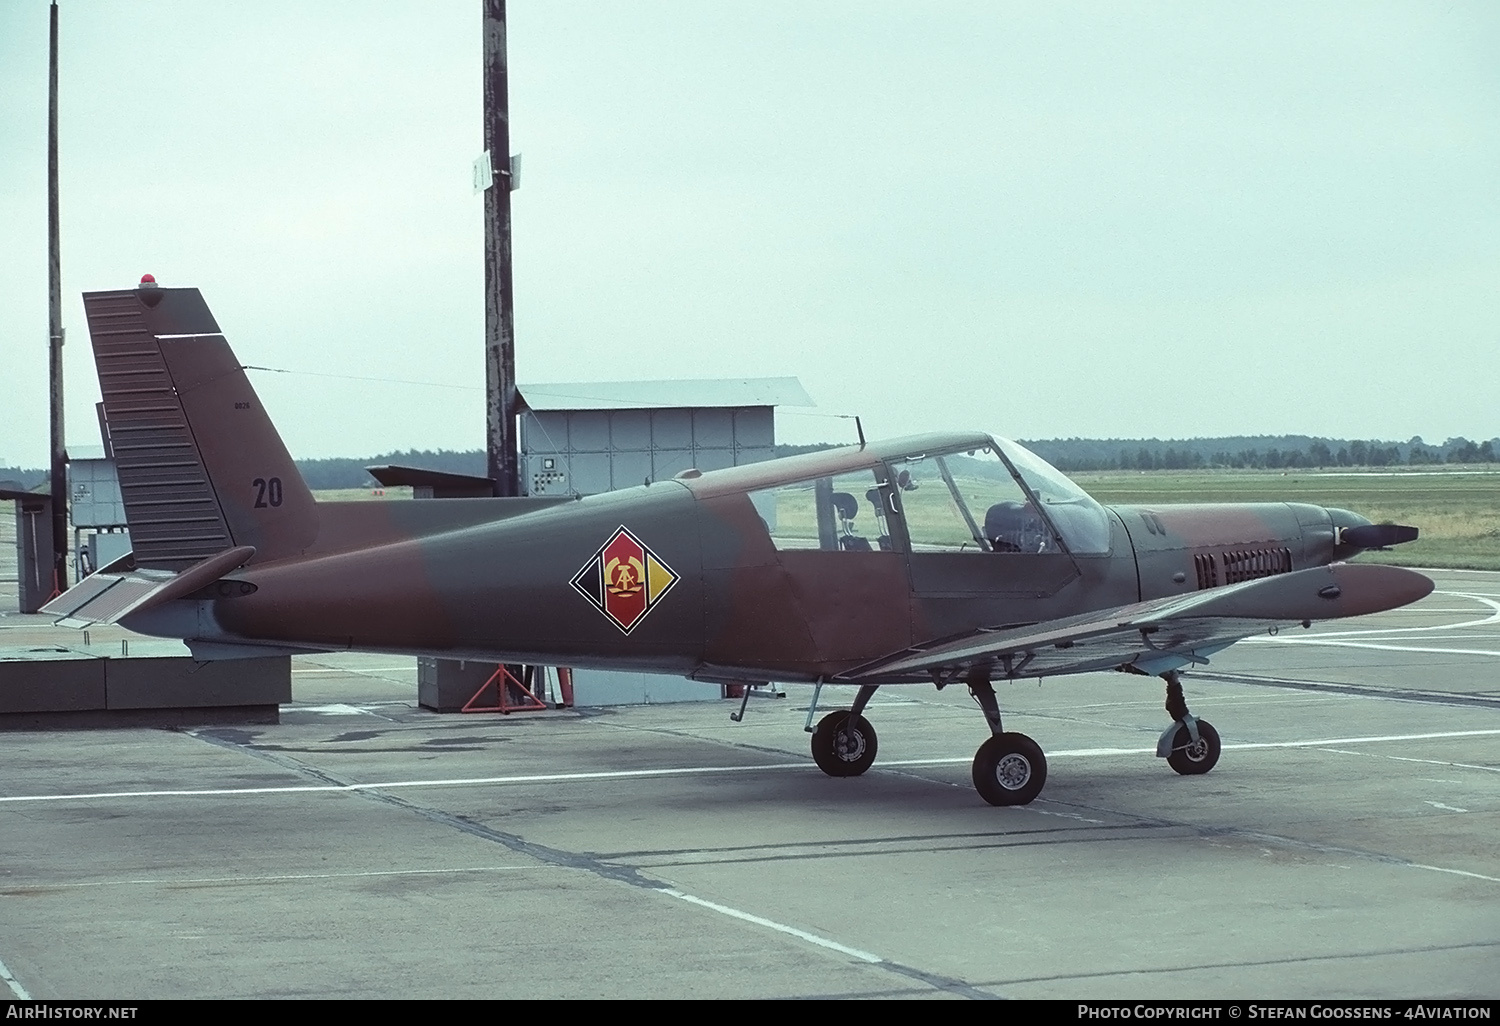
x=589 y=437
x=94 y=489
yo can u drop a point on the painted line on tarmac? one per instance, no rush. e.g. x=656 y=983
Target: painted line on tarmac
x=527 y=778
x=1388 y=647
x=1446 y=637
x=1334 y=689
x=1432 y=762
x=811 y=938
x=945 y=983
x=1318 y=639
x=1438 y=735
x=14 y=984
x=1455 y=872
x=1444 y=808
x=683 y=771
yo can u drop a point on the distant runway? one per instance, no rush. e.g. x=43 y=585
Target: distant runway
x=1346 y=845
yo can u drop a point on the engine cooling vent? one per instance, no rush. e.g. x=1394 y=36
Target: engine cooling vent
x=1208 y=570
x=1253 y=563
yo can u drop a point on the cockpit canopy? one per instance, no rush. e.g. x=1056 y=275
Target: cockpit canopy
x=996 y=498
x=987 y=498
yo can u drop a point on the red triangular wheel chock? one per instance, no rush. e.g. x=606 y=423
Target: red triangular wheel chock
x=511 y=694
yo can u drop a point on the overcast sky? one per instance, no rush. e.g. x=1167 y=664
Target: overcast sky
x=1039 y=219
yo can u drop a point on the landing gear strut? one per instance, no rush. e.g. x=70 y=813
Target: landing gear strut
x=1009 y=768
x=1190 y=745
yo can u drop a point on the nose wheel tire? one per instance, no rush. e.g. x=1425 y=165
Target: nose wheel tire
x=842 y=748
x=1009 y=769
x=1191 y=757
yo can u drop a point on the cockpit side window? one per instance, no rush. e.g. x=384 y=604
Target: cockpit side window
x=843 y=513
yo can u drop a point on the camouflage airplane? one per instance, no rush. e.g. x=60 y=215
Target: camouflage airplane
x=934 y=559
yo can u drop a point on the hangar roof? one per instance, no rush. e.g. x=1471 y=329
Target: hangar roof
x=657 y=395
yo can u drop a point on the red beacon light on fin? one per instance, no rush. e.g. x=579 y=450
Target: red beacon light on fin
x=149 y=292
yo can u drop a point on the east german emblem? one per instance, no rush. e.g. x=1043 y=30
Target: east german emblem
x=624 y=580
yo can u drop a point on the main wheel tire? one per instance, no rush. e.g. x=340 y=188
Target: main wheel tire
x=1191 y=758
x=846 y=752
x=1009 y=769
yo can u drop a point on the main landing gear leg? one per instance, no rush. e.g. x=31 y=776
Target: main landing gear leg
x=1190 y=745
x=844 y=743
x=1009 y=768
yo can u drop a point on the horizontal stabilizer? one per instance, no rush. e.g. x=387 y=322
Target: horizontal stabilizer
x=119 y=589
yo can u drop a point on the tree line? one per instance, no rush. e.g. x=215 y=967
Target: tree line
x=1257 y=453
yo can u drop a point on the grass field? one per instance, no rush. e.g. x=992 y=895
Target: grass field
x=1457 y=511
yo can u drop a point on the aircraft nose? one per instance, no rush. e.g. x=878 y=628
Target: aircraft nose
x=1343 y=518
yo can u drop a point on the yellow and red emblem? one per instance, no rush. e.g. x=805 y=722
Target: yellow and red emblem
x=624 y=580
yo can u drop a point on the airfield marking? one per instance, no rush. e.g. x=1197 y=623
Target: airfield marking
x=1243 y=746
x=1430 y=762
x=678 y=771
x=1445 y=808
x=1446 y=637
x=811 y=938
x=530 y=778
x=14 y=984
x=1494 y=617
x=1455 y=872
x=949 y=984
x=1330 y=638
x=336 y=709
x=1391 y=648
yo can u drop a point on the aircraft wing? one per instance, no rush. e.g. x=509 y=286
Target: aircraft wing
x=1161 y=634
x=119 y=589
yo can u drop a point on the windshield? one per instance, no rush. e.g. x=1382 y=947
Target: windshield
x=1082 y=522
x=968 y=501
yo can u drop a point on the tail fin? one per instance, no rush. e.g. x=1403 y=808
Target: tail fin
x=201 y=467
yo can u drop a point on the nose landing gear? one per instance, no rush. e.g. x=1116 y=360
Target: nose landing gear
x=1190 y=745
